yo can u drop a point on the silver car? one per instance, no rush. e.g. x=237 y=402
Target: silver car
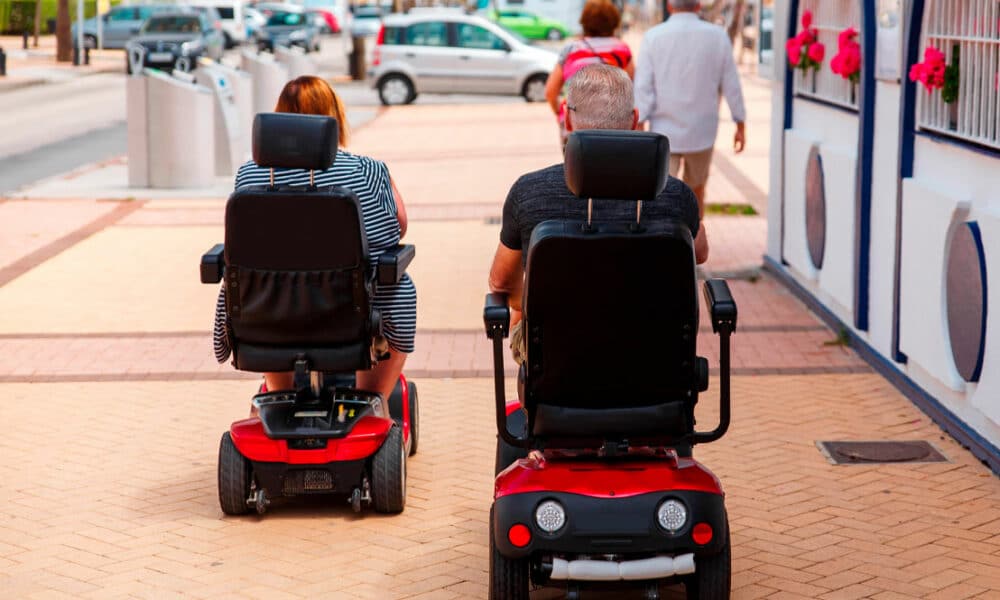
x=118 y=25
x=455 y=53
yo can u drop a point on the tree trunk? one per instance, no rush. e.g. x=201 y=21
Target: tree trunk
x=736 y=24
x=38 y=20
x=64 y=45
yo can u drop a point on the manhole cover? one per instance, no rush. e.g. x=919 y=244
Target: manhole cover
x=856 y=453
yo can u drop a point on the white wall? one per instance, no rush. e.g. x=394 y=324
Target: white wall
x=835 y=133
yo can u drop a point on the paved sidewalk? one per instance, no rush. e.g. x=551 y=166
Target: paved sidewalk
x=114 y=408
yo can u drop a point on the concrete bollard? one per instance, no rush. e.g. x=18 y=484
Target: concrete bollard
x=3 y=63
x=24 y=40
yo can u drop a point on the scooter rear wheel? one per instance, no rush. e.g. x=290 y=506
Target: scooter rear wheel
x=508 y=577
x=712 y=578
x=389 y=473
x=414 y=417
x=234 y=478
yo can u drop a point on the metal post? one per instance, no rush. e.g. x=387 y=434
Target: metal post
x=3 y=63
x=24 y=40
x=79 y=33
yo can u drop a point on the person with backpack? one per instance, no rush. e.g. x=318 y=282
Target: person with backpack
x=599 y=19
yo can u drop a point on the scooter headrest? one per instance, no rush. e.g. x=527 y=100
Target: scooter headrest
x=615 y=164
x=294 y=141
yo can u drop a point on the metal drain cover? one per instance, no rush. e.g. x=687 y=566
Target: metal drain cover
x=884 y=452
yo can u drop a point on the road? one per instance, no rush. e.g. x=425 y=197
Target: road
x=62 y=125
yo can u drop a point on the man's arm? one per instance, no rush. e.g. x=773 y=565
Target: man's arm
x=733 y=93
x=645 y=90
x=507 y=276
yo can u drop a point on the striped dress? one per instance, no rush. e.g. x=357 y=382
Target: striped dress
x=369 y=180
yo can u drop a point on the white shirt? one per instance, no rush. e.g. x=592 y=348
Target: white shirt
x=683 y=66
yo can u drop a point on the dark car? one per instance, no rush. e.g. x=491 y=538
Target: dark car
x=176 y=40
x=289 y=29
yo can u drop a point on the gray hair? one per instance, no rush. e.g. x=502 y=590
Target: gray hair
x=685 y=4
x=600 y=97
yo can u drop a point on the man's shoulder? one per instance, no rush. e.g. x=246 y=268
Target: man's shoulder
x=539 y=181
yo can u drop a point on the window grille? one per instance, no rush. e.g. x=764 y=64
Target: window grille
x=972 y=27
x=830 y=17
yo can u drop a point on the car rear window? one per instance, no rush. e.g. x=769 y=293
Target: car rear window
x=185 y=24
x=433 y=33
x=392 y=36
x=226 y=12
x=280 y=18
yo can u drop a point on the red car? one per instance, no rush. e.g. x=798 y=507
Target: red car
x=325 y=20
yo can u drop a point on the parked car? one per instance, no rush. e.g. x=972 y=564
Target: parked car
x=336 y=7
x=175 y=40
x=230 y=15
x=269 y=8
x=289 y=29
x=254 y=21
x=118 y=25
x=455 y=53
x=324 y=20
x=530 y=25
x=366 y=20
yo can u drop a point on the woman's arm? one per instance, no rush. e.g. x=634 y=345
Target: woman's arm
x=630 y=69
x=553 y=86
x=400 y=208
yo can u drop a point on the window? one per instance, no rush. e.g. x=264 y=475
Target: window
x=830 y=17
x=176 y=24
x=280 y=19
x=427 y=34
x=474 y=36
x=226 y=12
x=122 y=14
x=968 y=33
x=392 y=36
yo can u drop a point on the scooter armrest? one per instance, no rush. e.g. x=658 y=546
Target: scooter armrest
x=213 y=264
x=721 y=305
x=392 y=264
x=496 y=315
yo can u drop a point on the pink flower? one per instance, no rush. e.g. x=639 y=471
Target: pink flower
x=846 y=36
x=931 y=71
x=794 y=50
x=816 y=52
x=807 y=19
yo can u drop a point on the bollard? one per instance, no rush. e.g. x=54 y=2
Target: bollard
x=86 y=55
x=357 y=66
x=24 y=40
x=76 y=56
x=3 y=63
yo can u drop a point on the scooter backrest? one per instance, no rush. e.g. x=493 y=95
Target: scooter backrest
x=298 y=274
x=294 y=141
x=612 y=164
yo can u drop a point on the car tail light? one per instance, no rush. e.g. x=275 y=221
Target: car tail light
x=381 y=36
x=702 y=534
x=519 y=535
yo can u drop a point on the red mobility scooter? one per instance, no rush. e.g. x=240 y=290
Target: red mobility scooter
x=607 y=493
x=299 y=286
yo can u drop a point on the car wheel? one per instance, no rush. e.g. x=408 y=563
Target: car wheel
x=227 y=41
x=553 y=35
x=396 y=89
x=534 y=88
x=90 y=41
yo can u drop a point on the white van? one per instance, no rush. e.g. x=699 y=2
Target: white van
x=234 y=27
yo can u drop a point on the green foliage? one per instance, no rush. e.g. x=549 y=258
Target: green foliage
x=843 y=339
x=17 y=16
x=730 y=209
x=949 y=93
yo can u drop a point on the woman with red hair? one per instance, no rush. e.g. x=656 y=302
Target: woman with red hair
x=384 y=217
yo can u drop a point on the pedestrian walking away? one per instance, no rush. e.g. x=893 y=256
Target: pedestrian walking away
x=599 y=19
x=684 y=64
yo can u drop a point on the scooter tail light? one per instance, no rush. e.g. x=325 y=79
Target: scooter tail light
x=519 y=535
x=702 y=534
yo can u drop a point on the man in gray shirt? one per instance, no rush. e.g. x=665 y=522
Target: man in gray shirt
x=599 y=97
x=684 y=64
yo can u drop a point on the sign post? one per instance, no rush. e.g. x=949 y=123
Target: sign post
x=79 y=32
x=103 y=6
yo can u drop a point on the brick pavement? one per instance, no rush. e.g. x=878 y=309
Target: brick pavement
x=114 y=408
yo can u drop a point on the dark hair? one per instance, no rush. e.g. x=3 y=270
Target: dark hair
x=599 y=18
